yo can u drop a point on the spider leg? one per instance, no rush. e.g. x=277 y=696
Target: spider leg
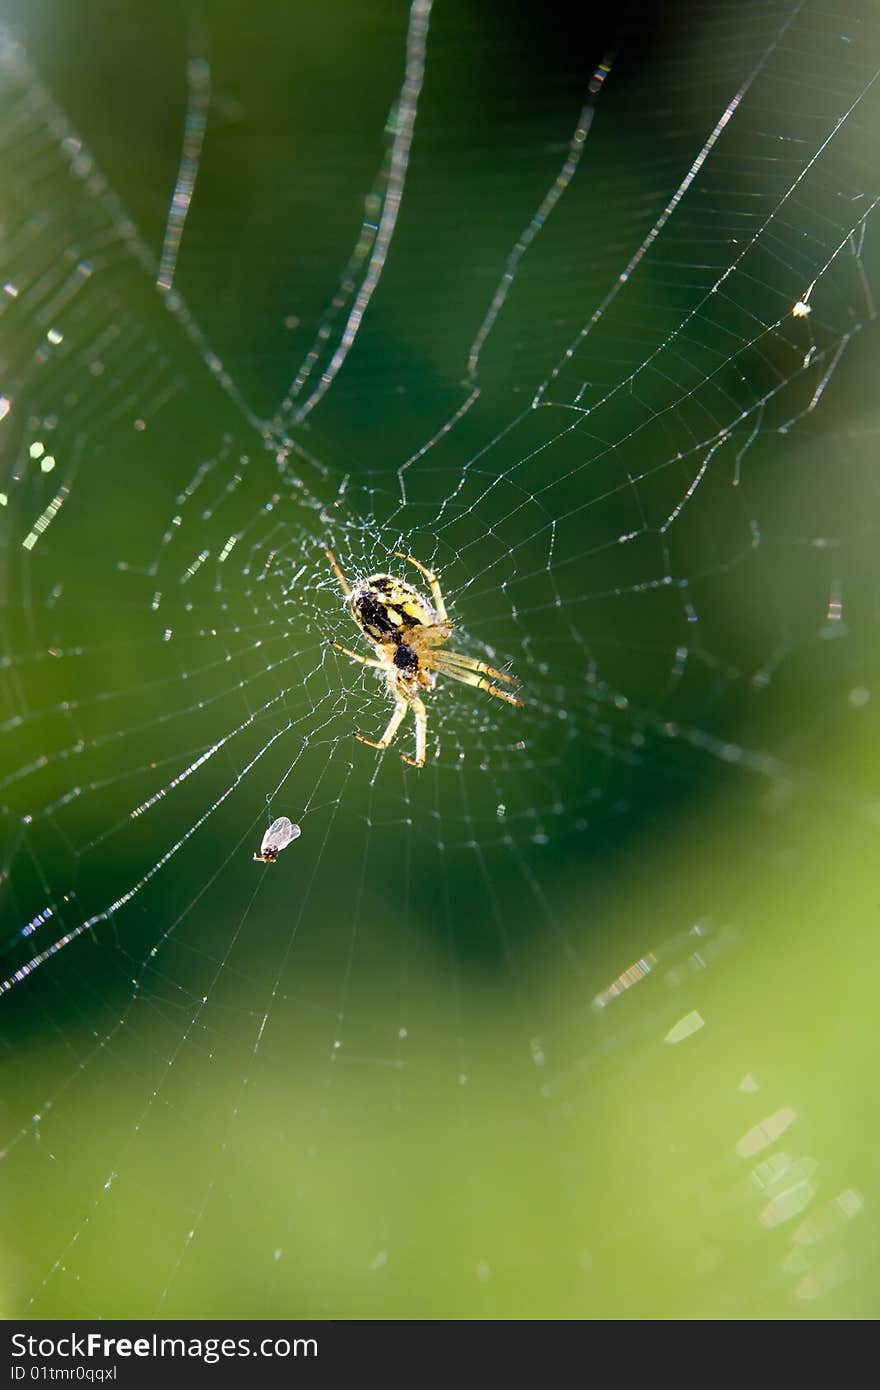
x=479 y=683
x=346 y=588
x=356 y=656
x=394 y=723
x=468 y=663
x=434 y=582
x=421 y=717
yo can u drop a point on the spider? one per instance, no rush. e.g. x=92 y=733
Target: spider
x=407 y=633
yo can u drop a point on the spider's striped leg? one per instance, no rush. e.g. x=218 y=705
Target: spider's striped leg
x=394 y=723
x=346 y=588
x=478 y=682
x=434 y=582
x=469 y=664
x=421 y=718
x=356 y=656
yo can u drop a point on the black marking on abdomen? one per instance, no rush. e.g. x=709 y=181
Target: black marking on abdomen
x=374 y=616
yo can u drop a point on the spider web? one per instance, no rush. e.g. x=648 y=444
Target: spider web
x=629 y=451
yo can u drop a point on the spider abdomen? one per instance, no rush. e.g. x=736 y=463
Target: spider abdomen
x=385 y=608
x=375 y=619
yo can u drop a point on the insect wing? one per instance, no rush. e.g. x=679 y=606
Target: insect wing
x=279 y=835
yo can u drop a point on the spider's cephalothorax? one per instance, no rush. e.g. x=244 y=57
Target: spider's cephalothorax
x=407 y=633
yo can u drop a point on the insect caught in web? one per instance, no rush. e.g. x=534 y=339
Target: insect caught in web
x=407 y=633
x=280 y=834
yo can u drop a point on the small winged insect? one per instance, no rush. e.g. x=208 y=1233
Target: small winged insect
x=279 y=835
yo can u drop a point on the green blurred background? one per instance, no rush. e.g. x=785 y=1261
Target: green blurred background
x=394 y=1076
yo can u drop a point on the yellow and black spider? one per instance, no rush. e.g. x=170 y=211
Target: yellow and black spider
x=407 y=632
